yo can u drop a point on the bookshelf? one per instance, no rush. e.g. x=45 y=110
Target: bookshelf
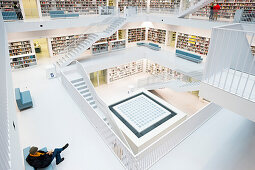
x=142 y=4
x=99 y=47
x=20 y=48
x=164 y=4
x=59 y=44
x=7 y=5
x=136 y=34
x=253 y=50
x=157 y=35
x=118 y=44
x=72 y=6
x=113 y=37
x=193 y=43
x=21 y=54
x=228 y=8
x=154 y=68
x=23 y=61
x=125 y=70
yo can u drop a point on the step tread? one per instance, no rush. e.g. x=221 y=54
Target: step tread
x=77 y=80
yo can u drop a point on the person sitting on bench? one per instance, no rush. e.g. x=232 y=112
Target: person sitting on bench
x=41 y=159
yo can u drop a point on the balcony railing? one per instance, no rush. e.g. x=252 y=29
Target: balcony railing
x=231 y=62
x=151 y=154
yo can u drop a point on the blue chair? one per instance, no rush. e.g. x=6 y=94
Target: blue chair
x=27 y=166
x=23 y=99
x=189 y=56
x=154 y=45
x=61 y=14
x=57 y=14
x=9 y=15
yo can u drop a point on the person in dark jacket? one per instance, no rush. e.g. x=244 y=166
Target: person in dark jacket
x=41 y=159
x=17 y=10
x=211 y=13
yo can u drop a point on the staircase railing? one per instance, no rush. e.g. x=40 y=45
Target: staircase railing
x=69 y=47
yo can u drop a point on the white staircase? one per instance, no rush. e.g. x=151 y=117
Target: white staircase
x=193 y=7
x=80 y=85
x=73 y=53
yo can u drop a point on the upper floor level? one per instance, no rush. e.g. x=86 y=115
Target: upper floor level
x=35 y=10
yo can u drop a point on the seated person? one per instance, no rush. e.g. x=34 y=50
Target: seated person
x=41 y=159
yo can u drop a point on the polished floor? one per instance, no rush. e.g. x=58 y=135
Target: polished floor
x=225 y=142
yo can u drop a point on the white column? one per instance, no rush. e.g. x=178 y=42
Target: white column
x=148 y=6
x=39 y=8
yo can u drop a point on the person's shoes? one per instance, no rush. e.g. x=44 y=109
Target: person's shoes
x=62 y=159
x=66 y=145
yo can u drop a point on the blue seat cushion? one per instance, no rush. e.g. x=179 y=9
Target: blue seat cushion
x=56 y=12
x=152 y=44
x=188 y=54
x=26 y=97
x=17 y=94
x=140 y=43
x=9 y=15
x=72 y=15
x=26 y=153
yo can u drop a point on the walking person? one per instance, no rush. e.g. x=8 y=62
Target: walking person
x=17 y=10
x=216 y=9
x=211 y=13
x=41 y=159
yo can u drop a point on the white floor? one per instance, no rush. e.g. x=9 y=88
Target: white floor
x=225 y=142
x=164 y=57
x=55 y=120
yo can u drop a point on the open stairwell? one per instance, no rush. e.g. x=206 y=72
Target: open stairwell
x=193 y=7
x=73 y=53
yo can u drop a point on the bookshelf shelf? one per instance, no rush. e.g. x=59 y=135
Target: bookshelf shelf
x=136 y=34
x=157 y=35
x=70 y=6
x=253 y=50
x=23 y=61
x=142 y=4
x=7 y=5
x=59 y=44
x=99 y=48
x=21 y=54
x=125 y=70
x=118 y=44
x=113 y=37
x=228 y=8
x=154 y=69
x=165 y=4
x=193 y=43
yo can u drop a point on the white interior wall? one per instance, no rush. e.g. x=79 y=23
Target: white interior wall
x=8 y=109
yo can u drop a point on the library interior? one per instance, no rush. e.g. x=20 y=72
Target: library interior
x=128 y=84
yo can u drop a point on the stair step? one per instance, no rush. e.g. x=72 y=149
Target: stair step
x=85 y=91
x=94 y=106
x=92 y=103
x=76 y=80
x=87 y=95
x=89 y=99
x=81 y=88
x=79 y=84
